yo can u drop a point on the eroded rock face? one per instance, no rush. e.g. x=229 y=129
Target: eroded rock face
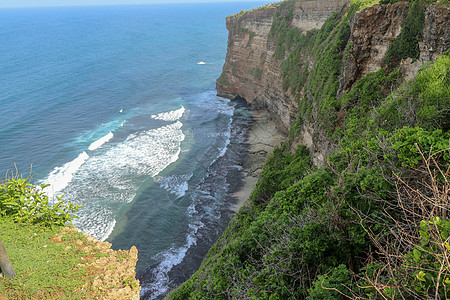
x=252 y=72
x=374 y=28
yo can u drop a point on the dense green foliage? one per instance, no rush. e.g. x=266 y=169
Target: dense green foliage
x=24 y=202
x=425 y=101
x=395 y=1
x=373 y=222
x=406 y=44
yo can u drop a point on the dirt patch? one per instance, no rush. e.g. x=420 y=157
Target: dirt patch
x=111 y=272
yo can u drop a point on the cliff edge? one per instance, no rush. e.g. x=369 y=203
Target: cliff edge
x=252 y=71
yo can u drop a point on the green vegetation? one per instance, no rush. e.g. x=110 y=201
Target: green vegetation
x=46 y=268
x=26 y=203
x=395 y=1
x=371 y=224
x=256 y=72
x=425 y=101
x=272 y=4
x=29 y=227
x=223 y=79
x=406 y=44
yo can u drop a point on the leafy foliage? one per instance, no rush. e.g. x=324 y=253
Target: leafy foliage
x=424 y=102
x=406 y=44
x=26 y=203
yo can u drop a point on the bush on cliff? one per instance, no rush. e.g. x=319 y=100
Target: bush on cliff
x=23 y=202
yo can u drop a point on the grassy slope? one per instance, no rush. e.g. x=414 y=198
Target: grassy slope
x=45 y=269
x=305 y=233
x=60 y=263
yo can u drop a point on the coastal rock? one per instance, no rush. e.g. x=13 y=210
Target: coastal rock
x=374 y=28
x=113 y=272
x=252 y=72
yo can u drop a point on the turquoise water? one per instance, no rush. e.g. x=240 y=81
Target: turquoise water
x=115 y=107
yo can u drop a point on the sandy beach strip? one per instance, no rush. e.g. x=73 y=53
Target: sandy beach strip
x=263 y=136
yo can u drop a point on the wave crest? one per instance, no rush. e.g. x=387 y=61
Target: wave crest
x=170 y=116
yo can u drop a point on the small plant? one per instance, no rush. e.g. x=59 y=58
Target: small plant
x=24 y=202
x=256 y=72
x=130 y=282
x=223 y=79
x=414 y=256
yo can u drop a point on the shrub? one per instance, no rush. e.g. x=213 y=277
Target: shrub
x=414 y=254
x=406 y=44
x=26 y=203
x=424 y=102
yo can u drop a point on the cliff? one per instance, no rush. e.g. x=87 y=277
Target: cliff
x=254 y=71
x=354 y=203
x=251 y=71
x=372 y=31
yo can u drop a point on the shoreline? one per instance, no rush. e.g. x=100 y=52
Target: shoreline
x=263 y=137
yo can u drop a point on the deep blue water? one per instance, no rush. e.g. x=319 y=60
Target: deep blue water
x=115 y=107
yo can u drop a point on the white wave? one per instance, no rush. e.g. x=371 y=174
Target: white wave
x=98 y=143
x=175 y=184
x=109 y=230
x=96 y=220
x=60 y=177
x=111 y=178
x=121 y=111
x=201 y=63
x=224 y=149
x=170 y=116
x=169 y=259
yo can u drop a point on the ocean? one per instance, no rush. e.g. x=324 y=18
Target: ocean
x=115 y=107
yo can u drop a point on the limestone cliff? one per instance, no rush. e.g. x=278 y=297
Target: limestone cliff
x=373 y=29
x=252 y=71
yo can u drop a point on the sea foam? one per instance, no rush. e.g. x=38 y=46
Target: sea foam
x=171 y=258
x=170 y=116
x=98 y=143
x=60 y=177
x=108 y=179
x=175 y=184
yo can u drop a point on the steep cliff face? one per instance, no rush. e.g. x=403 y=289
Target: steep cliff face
x=373 y=29
x=251 y=71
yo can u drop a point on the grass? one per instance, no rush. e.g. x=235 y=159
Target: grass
x=47 y=263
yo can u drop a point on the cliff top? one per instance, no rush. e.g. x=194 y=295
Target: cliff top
x=271 y=4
